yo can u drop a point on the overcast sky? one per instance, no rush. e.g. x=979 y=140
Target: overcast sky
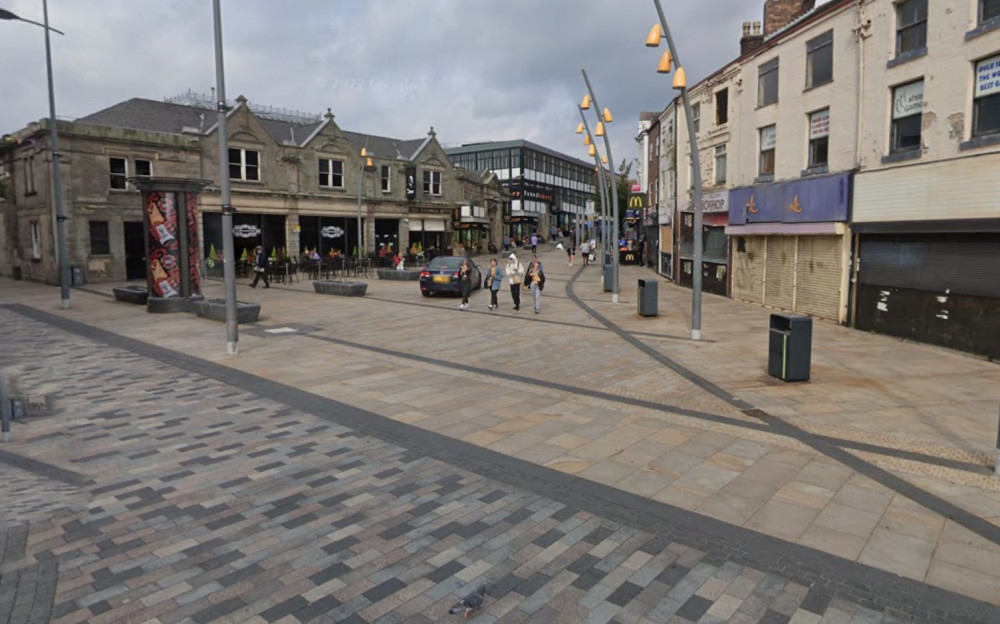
x=475 y=70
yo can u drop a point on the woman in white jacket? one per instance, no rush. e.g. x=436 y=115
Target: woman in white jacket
x=515 y=275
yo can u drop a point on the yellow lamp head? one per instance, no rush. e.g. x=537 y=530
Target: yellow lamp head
x=655 y=34
x=680 y=79
x=599 y=130
x=592 y=150
x=368 y=162
x=586 y=140
x=666 y=62
x=607 y=116
x=604 y=160
x=579 y=128
x=364 y=152
x=585 y=104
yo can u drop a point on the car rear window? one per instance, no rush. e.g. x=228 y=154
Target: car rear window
x=442 y=262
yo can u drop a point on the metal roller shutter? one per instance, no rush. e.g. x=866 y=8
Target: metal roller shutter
x=818 y=274
x=959 y=263
x=780 y=262
x=748 y=269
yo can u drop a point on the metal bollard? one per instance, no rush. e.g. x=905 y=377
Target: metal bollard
x=4 y=408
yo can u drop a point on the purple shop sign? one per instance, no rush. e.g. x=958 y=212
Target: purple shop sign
x=814 y=200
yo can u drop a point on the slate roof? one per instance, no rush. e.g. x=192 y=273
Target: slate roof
x=384 y=147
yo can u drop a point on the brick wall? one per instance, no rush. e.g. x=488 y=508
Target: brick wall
x=778 y=13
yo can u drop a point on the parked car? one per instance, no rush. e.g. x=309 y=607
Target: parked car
x=441 y=276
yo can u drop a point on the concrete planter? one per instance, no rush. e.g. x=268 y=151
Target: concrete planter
x=392 y=274
x=340 y=287
x=166 y=305
x=215 y=310
x=131 y=294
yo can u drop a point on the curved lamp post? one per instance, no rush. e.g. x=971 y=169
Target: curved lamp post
x=580 y=129
x=658 y=32
x=64 y=279
x=603 y=118
x=366 y=163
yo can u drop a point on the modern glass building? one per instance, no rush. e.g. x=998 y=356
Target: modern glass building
x=547 y=189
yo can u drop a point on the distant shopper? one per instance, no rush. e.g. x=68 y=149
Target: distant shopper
x=585 y=252
x=534 y=242
x=515 y=275
x=536 y=282
x=260 y=268
x=465 y=281
x=571 y=252
x=506 y=243
x=493 y=281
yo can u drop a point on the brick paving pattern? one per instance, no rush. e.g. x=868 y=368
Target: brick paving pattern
x=209 y=502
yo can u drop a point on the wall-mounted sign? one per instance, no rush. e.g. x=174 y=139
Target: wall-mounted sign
x=715 y=202
x=908 y=99
x=988 y=76
x=331 y=231
x=246 y=231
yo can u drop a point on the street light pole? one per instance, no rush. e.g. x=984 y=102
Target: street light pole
x=228 y=246
x=365 y=162
x=601 y=183
x=614 y=193
x=57 y=195
x=696 y=180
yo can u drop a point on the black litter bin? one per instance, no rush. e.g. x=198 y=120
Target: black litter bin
x=77 y=276
x=609 y=278
x=646 y=300
x=790 y=348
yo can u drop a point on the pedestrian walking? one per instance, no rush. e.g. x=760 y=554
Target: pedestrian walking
x=515 y=275
x=506 y=244
x=493 y=281
x=260 y=268
x=465 y=281
x=535 y=279
x=585 y=252
x=571 y=253
x=534 y=242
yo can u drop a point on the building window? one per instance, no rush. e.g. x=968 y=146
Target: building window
x=819 y=60
x=907 y=105
x=767 y=150
x=988 y=10
x=29 y=175
x=100 y=241
x=143 y=168
x=720 y=164
x=331 y=173
x=432 y=182
x=911 y=26
x=986 y=102
x=696 y=117
x=119 y=172
x=767 y=83
x=819 y=138
x=721 y=107
x=386 y=183
x=36 y=240
x=244 y=164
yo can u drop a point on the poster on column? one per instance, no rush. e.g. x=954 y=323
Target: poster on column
x=194 y=255
x=164 y=250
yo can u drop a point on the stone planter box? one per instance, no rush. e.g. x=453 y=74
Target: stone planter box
x=166 y=305
x=340 y=287
x=131 y=294
x=215 y=310
x=393 y=274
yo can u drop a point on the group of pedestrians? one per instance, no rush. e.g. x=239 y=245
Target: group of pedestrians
x=518 y=277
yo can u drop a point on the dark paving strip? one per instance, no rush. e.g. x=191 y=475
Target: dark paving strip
x=979 y=526
x=43 y=469
x=725 y=541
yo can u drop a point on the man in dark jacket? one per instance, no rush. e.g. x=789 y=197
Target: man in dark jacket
x=260 y=268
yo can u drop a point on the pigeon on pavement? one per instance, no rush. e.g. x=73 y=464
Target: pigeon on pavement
x=471 y=604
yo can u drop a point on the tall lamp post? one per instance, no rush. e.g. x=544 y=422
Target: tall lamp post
x=658 y=32
x=366 y=163
x=228 y=245
x=598 y=162
x=64 y=279
x=603 y=117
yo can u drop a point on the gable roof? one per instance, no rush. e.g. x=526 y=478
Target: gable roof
x=384 y=147
x=150 y=115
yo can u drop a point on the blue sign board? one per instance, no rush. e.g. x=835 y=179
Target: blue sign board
x=812 y=200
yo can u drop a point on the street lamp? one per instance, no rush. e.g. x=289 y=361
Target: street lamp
x=662 y=31
x=605 y=117
x=228 y=246
x=62 y=252
x=598 y=160
x=366 y=163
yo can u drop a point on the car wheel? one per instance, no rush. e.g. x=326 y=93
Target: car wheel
x=425 y=293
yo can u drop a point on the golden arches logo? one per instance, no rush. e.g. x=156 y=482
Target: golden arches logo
x=635 y=201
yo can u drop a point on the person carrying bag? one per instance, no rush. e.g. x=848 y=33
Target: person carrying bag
x=515 y=276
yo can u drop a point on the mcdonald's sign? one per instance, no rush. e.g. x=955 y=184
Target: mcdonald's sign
x=636 y=202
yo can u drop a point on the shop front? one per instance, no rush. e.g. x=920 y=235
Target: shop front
x=791 y=246
x=329 y=236
x=249 y=230
x=715 y=245
x=428 y=236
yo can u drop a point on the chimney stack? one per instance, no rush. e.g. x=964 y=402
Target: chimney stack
x=780 y=13
x=751 y=40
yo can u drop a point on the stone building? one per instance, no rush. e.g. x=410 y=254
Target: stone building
x=296 y=182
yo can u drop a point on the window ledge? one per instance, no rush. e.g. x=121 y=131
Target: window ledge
x=31 y=193
x=767 y=177
x=982 y=29
x=814 y=171
x=913 y=154
x=817 y=85
x=906 y=57
x=762 y=106
x=980 y=141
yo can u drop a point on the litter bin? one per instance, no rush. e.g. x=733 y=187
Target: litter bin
x=647 y=297
x=790 y=348
x=609 y=278
x=77 y=276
